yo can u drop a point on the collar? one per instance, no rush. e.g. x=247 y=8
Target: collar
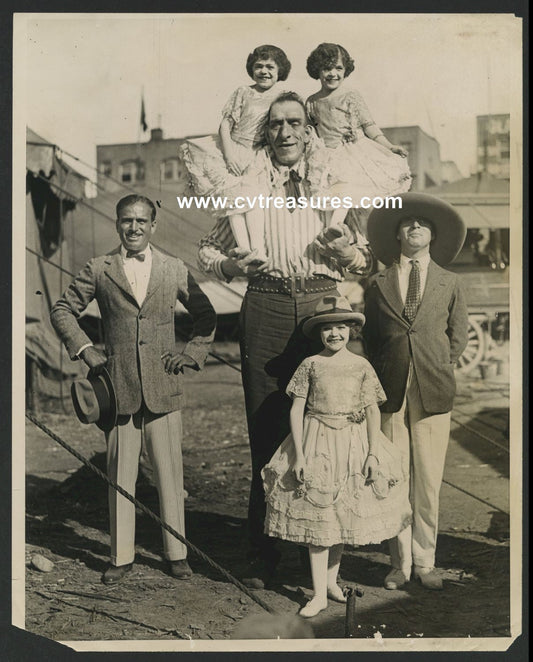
x=275 y=169
x=278 y=174
x=147 y=251
x=299 y=167
x=422 y=261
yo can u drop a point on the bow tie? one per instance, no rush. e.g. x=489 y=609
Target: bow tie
x=292 y=186
x=137 y=256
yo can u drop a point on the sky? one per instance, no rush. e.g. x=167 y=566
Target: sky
x=79 y=78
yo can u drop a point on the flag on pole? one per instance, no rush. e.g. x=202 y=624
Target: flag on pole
x=143 y=114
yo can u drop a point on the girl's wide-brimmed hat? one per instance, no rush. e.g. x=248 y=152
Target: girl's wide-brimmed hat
x=332 y=308
x=94 y=400
x=449 y=228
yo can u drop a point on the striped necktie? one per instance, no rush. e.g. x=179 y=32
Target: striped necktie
x=412 y=300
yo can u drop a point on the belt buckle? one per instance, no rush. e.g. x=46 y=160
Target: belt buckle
x=297 y=284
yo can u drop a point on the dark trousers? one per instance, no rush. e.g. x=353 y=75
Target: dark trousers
x=272 y=347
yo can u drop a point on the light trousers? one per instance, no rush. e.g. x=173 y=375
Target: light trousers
x=423 y=439
x=162 y=435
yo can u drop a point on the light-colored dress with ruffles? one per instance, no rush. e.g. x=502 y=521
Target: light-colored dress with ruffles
x=247 y=110
x=335 y=504
x=357 y=166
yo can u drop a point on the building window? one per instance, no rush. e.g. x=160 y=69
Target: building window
x=105 y=168
x=131 y=171
x=169 y=170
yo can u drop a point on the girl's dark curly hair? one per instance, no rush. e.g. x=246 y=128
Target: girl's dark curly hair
x=264 y=53
x=325 y=56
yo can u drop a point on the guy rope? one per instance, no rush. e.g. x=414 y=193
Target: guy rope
x=150 y=513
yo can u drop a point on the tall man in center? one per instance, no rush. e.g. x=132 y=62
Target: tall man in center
x=305 y=260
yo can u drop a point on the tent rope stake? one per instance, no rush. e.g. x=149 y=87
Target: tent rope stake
x=150 y=513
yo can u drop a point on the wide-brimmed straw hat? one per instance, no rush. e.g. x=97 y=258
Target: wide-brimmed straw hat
x=449 y=228
x=332 y=308
x=94 y=400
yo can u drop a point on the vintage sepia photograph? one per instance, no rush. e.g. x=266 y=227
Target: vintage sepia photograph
x=268 y=330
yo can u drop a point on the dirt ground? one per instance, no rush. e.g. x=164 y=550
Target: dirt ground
x=67 y=522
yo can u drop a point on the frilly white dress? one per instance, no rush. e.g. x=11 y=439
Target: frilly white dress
x=357 y=166
x=334 y=504
x=204 y=159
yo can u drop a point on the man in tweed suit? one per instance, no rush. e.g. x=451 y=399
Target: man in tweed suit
x=415 y=331
x=136 y=287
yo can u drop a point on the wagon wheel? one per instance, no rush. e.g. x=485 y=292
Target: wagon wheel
x=475 y=347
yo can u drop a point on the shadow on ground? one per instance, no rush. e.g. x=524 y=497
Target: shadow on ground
x=492 y=425
x=70 y=520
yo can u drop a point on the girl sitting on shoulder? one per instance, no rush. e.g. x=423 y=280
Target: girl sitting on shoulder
x=362 y=161
x=216 y=164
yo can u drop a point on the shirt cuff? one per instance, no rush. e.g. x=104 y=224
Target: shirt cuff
x=80 y=350
x=217 y=269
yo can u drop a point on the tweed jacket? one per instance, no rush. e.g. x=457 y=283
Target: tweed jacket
x=432 y=343
x=135 y=337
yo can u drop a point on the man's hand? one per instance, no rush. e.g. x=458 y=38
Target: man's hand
x=94 y=358
x=175 y=363
x=243 y=262
x=335 y=242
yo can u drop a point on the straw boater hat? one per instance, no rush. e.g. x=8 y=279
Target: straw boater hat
x=94 y=400
x=449 y=229
x=332 y=309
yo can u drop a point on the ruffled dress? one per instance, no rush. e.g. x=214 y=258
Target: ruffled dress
x=335 y=504
x=357 y=166
x=247 y=110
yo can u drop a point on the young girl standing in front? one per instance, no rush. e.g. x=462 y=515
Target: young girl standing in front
x=362 y=161
x=336 y=479
x=216 y=165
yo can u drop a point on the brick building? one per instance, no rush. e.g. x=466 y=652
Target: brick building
x=155 y=164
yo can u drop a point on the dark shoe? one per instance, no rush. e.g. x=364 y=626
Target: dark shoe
x=428 y=577
x=179 y=569
x=114 y=573
x=395 y=579
x=260 y=571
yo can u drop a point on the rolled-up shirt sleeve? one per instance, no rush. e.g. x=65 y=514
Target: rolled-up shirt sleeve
x=213 y=249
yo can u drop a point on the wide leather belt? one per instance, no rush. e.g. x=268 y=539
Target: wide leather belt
x=292 y=285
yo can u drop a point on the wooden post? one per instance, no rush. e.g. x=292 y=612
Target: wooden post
x=350 y=622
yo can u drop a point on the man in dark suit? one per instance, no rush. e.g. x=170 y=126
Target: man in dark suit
x=136 y=287
x=416 y=329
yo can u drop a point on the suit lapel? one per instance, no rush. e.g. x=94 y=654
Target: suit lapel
x=156 y=274
x=436 y=282
x=388 y=284
x=115 y=270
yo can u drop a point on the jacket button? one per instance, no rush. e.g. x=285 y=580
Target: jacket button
x=142 y=342
x=141 y=316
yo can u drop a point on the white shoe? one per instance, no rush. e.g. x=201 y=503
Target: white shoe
x=313 y=607
x=395 y=579
x=335 y=593
x=428 y=577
